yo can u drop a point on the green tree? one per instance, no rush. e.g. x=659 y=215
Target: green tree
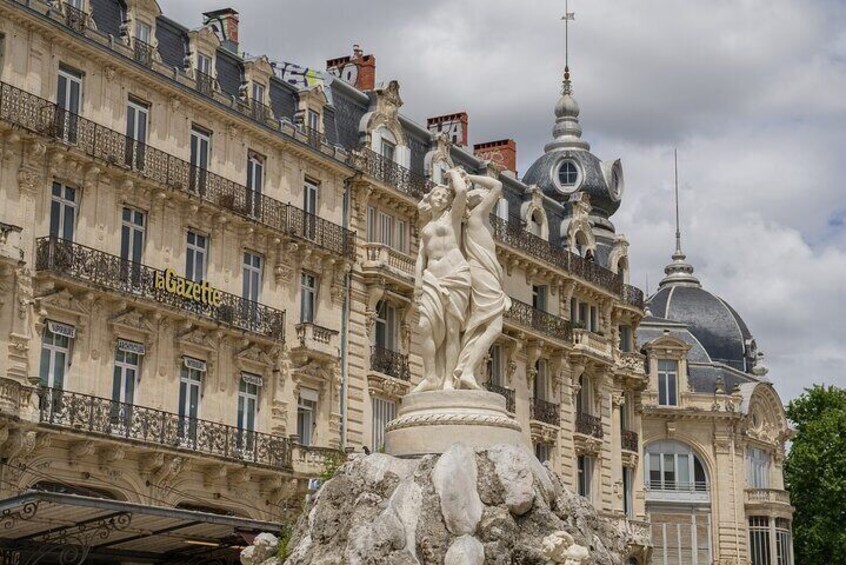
x=815 y=472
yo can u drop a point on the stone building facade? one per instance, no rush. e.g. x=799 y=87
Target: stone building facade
x=206 y=278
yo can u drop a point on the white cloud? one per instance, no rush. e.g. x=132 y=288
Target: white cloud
x=751 y=91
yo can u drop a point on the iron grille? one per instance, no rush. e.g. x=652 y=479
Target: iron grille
x=629 y=440
x=389 y=362
x=536 y=319
x=545 y=411
x=390 y=173
x=508 y=393
x=142 y=52
x=75 y=19
x=589 y=425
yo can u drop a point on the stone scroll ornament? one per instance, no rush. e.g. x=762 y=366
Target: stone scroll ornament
x=458 y=280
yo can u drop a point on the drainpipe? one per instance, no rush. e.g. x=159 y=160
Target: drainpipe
x=344 y=322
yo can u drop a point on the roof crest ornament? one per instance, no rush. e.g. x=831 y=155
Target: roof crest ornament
x=678 y=272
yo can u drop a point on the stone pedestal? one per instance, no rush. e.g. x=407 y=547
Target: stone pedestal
x=430 y=422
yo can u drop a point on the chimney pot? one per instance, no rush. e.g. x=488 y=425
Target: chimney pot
x=503 y=153
x=453 y=125
x=358 y=70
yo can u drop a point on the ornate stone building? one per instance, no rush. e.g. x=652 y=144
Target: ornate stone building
x=206 y=273
x=714 y=432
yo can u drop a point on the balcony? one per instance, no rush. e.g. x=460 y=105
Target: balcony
x=389 y=362
x=507 y=393
x=670 y=491
x=629 y=440
x=256 y=110
x=205 y=84
x=312 y=461
x=92 y=268
x=10 y=243
x=117 y=420
x=589 y=425
x=143 y=53
x=513 y=233
x=633 y=296
x=760 y=498
x=310 y=136
x=384 y=261
x=592 y=345
x=75 y=19
x=390 y=173
x=526 y=315
x=545 y=411
x=632 y=362
x=316 y=342
x=41 y=116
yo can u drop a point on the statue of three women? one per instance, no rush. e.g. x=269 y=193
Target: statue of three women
x=458 y=280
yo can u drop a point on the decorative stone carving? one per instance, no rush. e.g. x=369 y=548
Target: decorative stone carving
x=560 y=547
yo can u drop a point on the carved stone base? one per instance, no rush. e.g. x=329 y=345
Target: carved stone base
x=430 y=422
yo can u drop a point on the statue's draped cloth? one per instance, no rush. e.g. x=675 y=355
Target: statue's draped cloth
x=445 y=294
x=488 y=299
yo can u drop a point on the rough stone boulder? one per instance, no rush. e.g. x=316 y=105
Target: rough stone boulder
x=492 y=506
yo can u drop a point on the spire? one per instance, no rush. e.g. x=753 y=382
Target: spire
x=567 y=131
x=679 y=272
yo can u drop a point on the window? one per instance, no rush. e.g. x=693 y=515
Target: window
x=541 y=389
x=539 y=297
x=668 y=371
x=594 y=319
x=127 y=361
x=258 y=92
x=190 y=386
x=502 y=209
x=311 y=191
x=626 y=339
x=784 y=542
x=681 y=537
x=672 y=466
x=55 y=354
x=251 y=274
x=386 y=326
x=143 y=32
x=248 y=391
x=626 y=412
x=584 y=317
x=759 y=540
x=386 y=229
x=313 y=121
x=383 y=412
x=628 y=492
x=308 y=297
x=389 y=149
x=568 y=174
x=757 y=468
x=196 y=256
x=204 y=64
x=63 y=204
x=69 y=102
x=543 y=451
x=584 y=400
x=585 y=469
x=496 y=376
x=306 y=415
x=75 y=4
x=255 y=182
x=132 y=231
x=137 y=115
x=200 y=151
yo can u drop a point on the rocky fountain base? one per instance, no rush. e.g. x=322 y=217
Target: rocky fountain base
x=469 y=506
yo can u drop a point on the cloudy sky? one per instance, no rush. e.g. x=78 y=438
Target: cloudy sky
x=752 y=92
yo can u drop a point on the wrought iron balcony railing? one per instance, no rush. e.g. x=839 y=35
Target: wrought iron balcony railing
x=389 y=362
x=143 y=52
x=589 y=425
x=75 y=18
x=676 y=486
x=109 y=272
x=633 y=296
x=46 y=118
x=386 y=171
x=513 y=233
x=259 y=111
x=629 y=441
x=205 y=84
x=312 y=136
x=102 y=416
x=507 y=393
x=536 y=319
x=545 y=411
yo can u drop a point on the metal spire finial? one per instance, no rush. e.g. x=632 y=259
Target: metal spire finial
x=567 y=17
x=679 y=271
x=676 y=173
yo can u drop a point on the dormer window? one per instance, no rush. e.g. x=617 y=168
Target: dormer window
x=204 y=64
x=143 y=32
x=668 y=379
x=388 y=149
x=313 y=120
x=567 y=176
x=258 y=92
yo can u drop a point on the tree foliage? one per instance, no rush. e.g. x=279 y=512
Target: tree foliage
x=815 y=472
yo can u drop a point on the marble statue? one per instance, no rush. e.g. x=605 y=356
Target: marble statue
x=458 y=289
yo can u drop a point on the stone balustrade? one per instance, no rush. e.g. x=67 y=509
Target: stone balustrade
x=592 y=344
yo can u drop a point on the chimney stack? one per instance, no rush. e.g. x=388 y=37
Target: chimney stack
x=357 y=69
x=224 y=22
x=453 y=125
x=503 y=153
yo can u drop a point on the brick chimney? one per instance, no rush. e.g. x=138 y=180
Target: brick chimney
x=224 y=22
x=453 y=125
x=357 y=69
x=502 y=153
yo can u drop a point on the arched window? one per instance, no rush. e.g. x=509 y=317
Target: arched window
x=672 y=466
x=387 y=145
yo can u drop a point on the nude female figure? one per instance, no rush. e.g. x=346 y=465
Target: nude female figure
x=442 y=281
x=488 y=301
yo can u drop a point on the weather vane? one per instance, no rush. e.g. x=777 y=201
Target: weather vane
x=567 y=17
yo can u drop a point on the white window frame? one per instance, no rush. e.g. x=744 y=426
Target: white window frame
x=307 y=410
x=666 y=376
x=252 y=269
x=144 y=32
x=248 y=404
x=258 y=92
x=313 y=120
x=309 y=289
x=127 y=368
x=196 y=255
x=502 y=209
x=311 y=196
x=758 y=463
x=54 y=349
x=387 y=316
x=383 y=411
x=584 y=469
x=130 y=231
x=70 y=77
x=204 y=63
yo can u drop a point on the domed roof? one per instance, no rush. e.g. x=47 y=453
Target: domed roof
x=601 y=181
x=709 y=318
